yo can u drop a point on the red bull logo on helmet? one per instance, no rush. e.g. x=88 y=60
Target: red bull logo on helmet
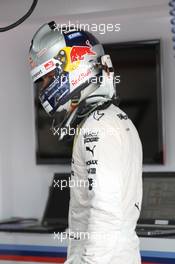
x=78 y=52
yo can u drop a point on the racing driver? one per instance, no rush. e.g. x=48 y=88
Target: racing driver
x=73 y=76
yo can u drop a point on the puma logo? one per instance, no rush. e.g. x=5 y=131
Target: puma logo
x=91 y=150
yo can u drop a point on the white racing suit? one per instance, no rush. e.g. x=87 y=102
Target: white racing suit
x=106 y=190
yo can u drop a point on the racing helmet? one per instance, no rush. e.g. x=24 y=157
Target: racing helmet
x=65 y=66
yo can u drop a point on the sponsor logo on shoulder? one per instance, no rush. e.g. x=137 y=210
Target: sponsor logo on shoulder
x=122 y=116
x=97 y=115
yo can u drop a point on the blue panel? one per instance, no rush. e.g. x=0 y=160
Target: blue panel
x=27 y=250
x=33 y=247
x=159 y=257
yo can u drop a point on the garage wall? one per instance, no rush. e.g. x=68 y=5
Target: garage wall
x=23 y=184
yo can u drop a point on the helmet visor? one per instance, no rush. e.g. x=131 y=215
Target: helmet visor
x=52 y=89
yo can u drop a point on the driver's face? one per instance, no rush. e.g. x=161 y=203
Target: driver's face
x=44 y=81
